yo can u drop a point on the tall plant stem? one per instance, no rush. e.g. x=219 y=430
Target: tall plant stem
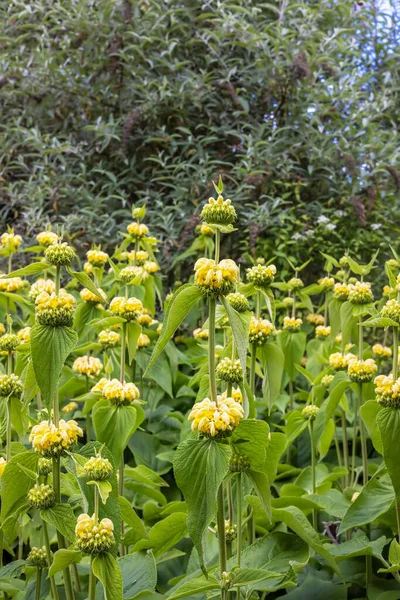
x=338 y=452
x=395 y=353
x=53 y=586
x=92 y=581
x=221 y=536
x=239 y=516
x=211 y=349
x=9 y=430
x=88 y=423
x=122 y=463
x=253 y=362
x=313 y=474
x=230 y=511
x=363 y=436
x=123 y=353
x=38 y=583
x=398 y=518
x=61 y=542
x=345 y=447
x=58 y=279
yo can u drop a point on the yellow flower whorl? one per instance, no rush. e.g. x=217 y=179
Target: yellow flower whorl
x=87 y=365
x=211 y=420
x=92 y=537
x=52 y=441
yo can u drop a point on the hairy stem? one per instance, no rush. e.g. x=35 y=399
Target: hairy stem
x=53 y=587
x=221 y=534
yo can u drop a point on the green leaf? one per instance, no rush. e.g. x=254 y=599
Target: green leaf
x=106 y=569
x=328 y=408
x=361 y=269
x=62 y=559
x=388 y=420
x=240 y=324
x=62 y=517
x=19 y=416
x=85 y=280
x=375 y=499
x=293 y=346
x=394 y=552
x=379 y=322
x=358 y=546
x=130 y=518
x=272 y=360
x=133 y=330
x=261 y=485
x=139 y=573
x=114 y=425
x=250 y=438
x=200 y=467
x=369 y=411
x=297 y=522
x=347 y=321
x=295 y=425
x=50 y=346
x=179 y=306
x=104 y=488
x=244 y=576
x=195 y=586
x=16 y=481
x=164 y=534
x=32 y=269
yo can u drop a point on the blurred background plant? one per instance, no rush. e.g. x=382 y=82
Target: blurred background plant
x=107 y=104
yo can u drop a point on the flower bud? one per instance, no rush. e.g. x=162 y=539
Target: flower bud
x=218 y=211
x=238 y=301
x=9 y=341
x=45 y=466
x=315 y=319
x=291 y=324
x=239 y=463
x=98 y=468
x=127 y=308
x=47 y=238
x=261 y=275
x=392 y=310
x=109 y=338
x=38 y=557
x=10 y=385
x=60 y=254
x=327 y=380
x=260 y=331
x=137 y=230
x=230 y=370
x=361 y=293
x=97 y=258
x=327 y=283
x=310 y=412
x=41 y=496
x=295 y=284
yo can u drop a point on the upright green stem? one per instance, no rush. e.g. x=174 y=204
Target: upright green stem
x=211 y=349
x=395 y=353
x=123 y=353
x=9 y=429
x=253 y=362
x=360 y=339
x=345 y=447
x=291 y=395
x=92 y=581
x=38 y=583
x=398 y=518
x=53 y=586
x=58 y=279
x=217 y=245
x=88 y=423
x=363 y=436
x=239 y=518
x=221 y=534
x=61 y=542
x=313 y=473
x=122 y=464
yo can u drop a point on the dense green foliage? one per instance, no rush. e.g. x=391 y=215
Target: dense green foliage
x=295 y=103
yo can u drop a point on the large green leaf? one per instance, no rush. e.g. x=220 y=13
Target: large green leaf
x=106 y=569
x=328 y=408
x=139 y=573
x=164 y=534
x=200 y=467
x=179 y=306
x=50 y=346
x=297 y=522
x=261 y=486
x=32 y=269
x=388 y=420
x=251 y=439
x=18 y=477
x=137 y=529
x=273 y=360
x=199 y=585
x=369 y=412
x=292 y=346
x=240 y=325
x=85 y=280
x=347 y=321
x=133 y=330
x=62 y=559
x=62 y=517
x=114 y=425
x=375 y=499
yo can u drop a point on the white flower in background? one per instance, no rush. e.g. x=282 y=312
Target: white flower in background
x=322 y=220
x=330 y=226
x=376 y=226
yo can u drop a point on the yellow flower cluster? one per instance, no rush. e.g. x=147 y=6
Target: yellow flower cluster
x=381 y=351
x=13 y=284
x=216 y=279
x=361 y=293
x=211 y=420
x=130 y=273
x=50 y=440
x=8 y=342
x=120 y=393
x=2 y=329
x=310 y=412
x=24 y=335
x=143 y=341
x=70 y=407
x=339 y=361
x=236 y=394
x=260 y=330
x=128 y=308
x=322 y=331
x=315 y=319
x=362 y=371
x=97 y=258
x=10 y=385
x=94 y=537
x=109 y=338
x=392 y=310
x=206 y=230
x=3 y=464
x=387 y=391
x=100 y=385
x=295 y=284
x=47 y=238
x=327 y=283
x=55 y=310
x=137 y=230
x=145 y=318
x=88 y=268
x=341 y=291
x=292 y=324
x=91 y=298
x=42 y=285
x=10 y=241
x=200 y=334
x=218 y=211
x=327 y=380
x=261 y=275
x=151 y=267
x=141 y=256
x=88 y=365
